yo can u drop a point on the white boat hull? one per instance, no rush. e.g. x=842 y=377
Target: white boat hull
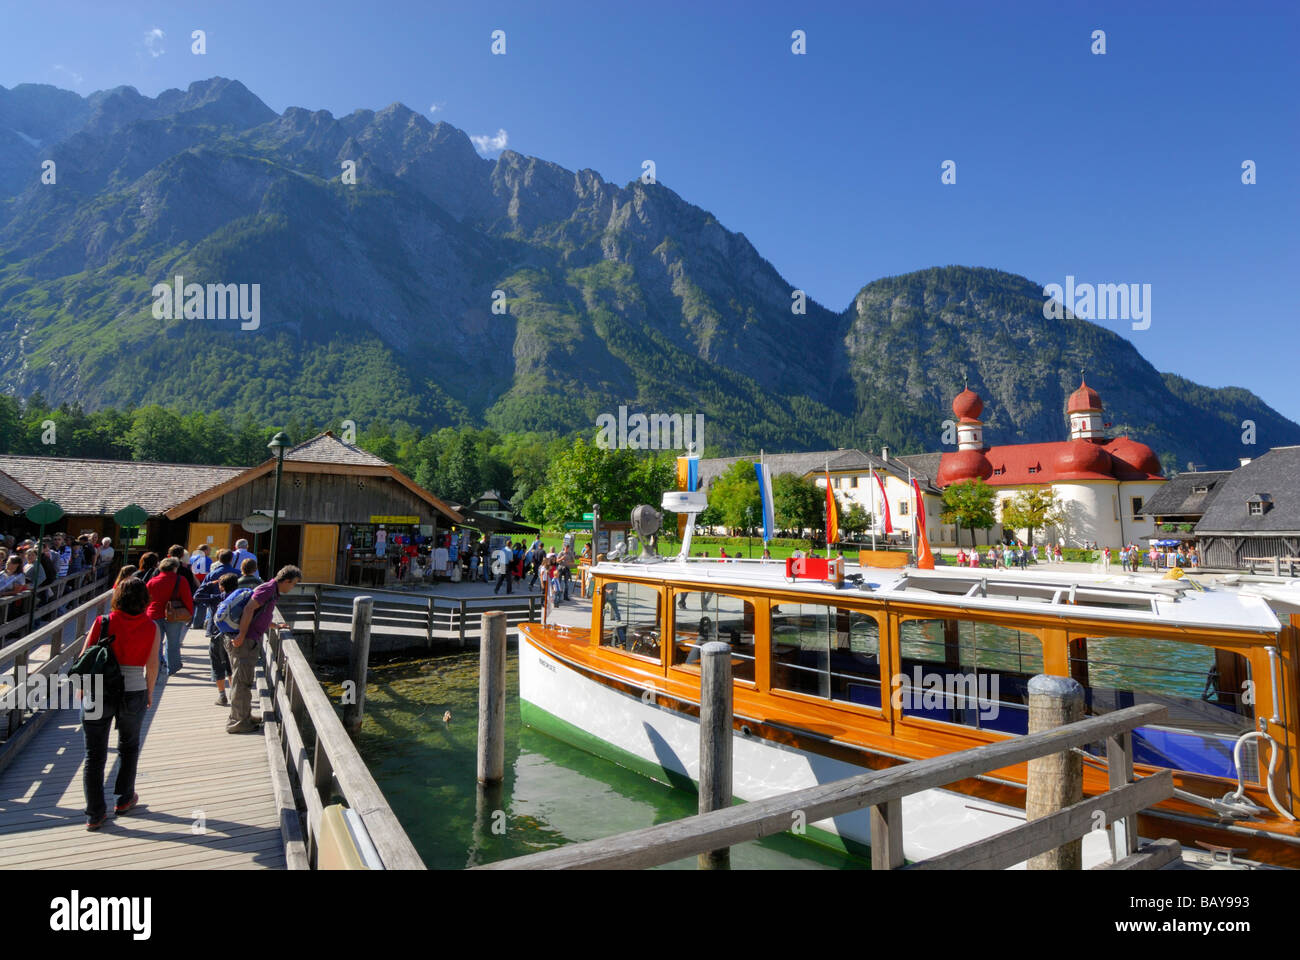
x=665 y=744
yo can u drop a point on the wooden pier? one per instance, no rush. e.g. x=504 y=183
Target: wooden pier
x=206 y=797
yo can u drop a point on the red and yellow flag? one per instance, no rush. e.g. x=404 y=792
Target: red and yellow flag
x=832 y=515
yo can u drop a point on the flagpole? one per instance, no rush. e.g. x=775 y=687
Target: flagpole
x=914 y=508
x=871 y=484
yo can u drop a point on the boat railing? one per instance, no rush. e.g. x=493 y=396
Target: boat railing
x=882 y=792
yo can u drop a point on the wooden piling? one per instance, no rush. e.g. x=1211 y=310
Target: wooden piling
x=715 y=741
x=1056 y=780
x=358 y=663
x=492 y=698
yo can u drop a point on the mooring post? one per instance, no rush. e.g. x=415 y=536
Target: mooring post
x=1055 y=781
x=492 y=698
x=715 y=741
x=358 y=663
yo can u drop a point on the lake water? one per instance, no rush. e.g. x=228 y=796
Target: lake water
x=553 y=793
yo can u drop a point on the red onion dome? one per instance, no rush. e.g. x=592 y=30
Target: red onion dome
x=1084 y=400
x=1136 y=455
x=963 y=465
x=968 y=405
x=1080 y=457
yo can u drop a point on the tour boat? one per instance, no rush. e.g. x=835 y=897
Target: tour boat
x=874 y=667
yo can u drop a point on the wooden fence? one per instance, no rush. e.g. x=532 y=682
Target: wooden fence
x=317 y=761
x=317 y=608
x=17 y=659
x=883 y=790
x=16 y=610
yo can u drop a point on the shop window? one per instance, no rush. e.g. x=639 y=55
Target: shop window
x=700 y=618
x=967 y=672
x=630 y=618
x=825 y=651
x=1203 y=688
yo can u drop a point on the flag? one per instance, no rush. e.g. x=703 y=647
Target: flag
x=924 y=558
x=832 y=516
x=764 y=473
x=884 y=503
x=688 y=478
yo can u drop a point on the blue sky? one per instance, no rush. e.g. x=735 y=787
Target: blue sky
x=1119 y=168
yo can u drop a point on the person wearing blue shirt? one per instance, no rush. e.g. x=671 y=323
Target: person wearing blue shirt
x=241 y=554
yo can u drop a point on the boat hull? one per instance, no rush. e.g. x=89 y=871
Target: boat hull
x=662 y=743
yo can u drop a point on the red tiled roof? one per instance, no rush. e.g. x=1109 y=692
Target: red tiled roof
x=1051 y=462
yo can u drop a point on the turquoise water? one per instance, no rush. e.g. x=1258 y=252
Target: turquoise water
x=553 y=793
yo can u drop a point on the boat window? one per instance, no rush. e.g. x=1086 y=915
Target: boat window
x=629 y=618
x=826 y=651
x=699 y=618
x=970 y=672
x=1205 y=689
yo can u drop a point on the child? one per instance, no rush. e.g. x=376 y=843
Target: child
x=213 y=592
x=553 y=579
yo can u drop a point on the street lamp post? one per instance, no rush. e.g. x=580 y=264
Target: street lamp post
x=749 y=532
x=279 y=443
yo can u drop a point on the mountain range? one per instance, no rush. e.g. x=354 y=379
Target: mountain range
x=377 y=296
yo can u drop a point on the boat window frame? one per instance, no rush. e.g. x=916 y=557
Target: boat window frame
x=1255 y=655
x=879 y=614
x=674 y=590
x=984 y=734
x=598 y=633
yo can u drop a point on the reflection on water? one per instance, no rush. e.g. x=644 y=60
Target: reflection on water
x=553 y=793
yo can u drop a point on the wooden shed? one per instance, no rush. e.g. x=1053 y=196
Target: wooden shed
x=335 y=499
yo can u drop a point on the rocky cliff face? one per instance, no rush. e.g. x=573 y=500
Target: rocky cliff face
x=377 y=297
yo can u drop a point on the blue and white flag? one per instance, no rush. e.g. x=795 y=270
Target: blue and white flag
x=764 y=473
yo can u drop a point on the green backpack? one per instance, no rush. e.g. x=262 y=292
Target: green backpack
x=99 y=659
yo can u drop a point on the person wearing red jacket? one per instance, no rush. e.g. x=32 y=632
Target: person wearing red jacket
x=166 y=585
x=136 y=640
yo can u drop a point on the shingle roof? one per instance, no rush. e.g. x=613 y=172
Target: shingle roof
x=15 y=495
x=926 y=464
x=1178 y=497
x=1276 y=473
x=102 y=487
x=327 y=448
x=802 y=464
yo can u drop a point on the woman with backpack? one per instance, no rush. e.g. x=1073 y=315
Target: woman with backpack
x=171 y=604
x=136 y=640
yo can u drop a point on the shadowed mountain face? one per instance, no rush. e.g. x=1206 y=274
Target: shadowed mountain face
x=402 y=276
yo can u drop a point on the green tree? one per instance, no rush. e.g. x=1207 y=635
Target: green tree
x=969 y=504
x=797 y=504
x=1031 y=510
x=856 y=520
x=158 y=434
x=734 y=492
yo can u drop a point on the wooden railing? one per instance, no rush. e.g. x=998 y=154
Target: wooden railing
x=883 y=790
x=328 y=607
x=16 y=609
x=16 y=660
x=321 y=762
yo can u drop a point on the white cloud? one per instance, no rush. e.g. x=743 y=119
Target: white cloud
x=435 y=107
x=153 y=42
x=71 y=76
x=486 y=143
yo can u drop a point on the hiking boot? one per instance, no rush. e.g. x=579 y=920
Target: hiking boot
x=96 y=824
x=222 y=700
x=127 y=807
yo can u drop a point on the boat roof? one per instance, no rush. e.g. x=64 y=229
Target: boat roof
x=1127 y=598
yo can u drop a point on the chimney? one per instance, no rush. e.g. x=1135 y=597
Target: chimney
x=884 y=453
x=1244 y=461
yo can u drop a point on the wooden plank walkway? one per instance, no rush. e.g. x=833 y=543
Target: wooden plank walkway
x=190 y=768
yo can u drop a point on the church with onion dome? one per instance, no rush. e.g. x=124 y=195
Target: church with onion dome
x=1101 y=483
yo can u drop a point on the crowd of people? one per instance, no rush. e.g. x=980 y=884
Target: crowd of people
x=48 y=568
x=154 y=602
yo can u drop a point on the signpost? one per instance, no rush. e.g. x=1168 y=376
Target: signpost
x=42 y=514
x=256 y=524
x=129 y=520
